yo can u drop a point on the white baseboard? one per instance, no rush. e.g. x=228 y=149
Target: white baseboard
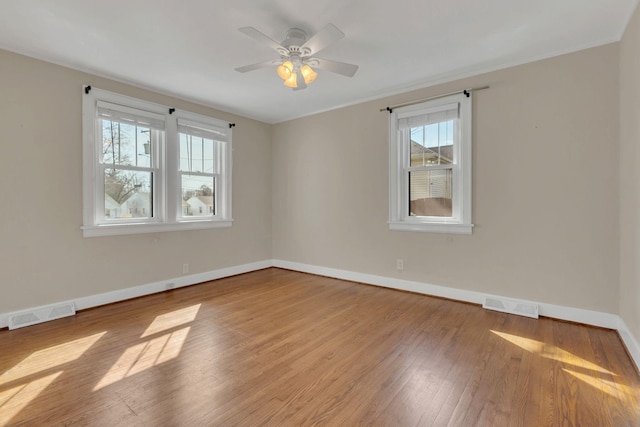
x=150 y=288
x=633 y=347
x=588 y=317
x=386 y=282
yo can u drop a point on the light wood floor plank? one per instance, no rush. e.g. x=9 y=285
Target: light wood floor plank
x=282 y=348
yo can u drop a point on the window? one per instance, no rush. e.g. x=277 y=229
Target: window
x=148 y=168
x=430 y=166
x=200 y=155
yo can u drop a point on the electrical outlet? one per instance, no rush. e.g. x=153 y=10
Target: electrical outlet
x=185 y=268
x=400 y=264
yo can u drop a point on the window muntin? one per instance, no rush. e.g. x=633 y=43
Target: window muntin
x=432 y=144
x=430 y=166
x=136 y=176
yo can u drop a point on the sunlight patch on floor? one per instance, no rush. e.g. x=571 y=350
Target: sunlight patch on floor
x=551 y=352
x=13 y=400
x=49 y=358
x=172 y=319
x=619 y=391
x=154 y=351
x=145 y=355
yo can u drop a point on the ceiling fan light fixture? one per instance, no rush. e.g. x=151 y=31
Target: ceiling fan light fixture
x=308 y=74
x=292 y=81
x=285 y=70
x=297 y=55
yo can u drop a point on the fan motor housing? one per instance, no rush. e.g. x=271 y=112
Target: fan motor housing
x=294 y=37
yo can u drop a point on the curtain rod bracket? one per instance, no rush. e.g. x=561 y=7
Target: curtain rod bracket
x=466 y=93
x=87 y=89
x=172 y=110
x=390 y=110
x=232 y=125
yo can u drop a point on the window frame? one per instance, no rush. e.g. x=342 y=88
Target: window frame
x=156 y=141
x=399 y=168
x=167 y=199
x=222 y=151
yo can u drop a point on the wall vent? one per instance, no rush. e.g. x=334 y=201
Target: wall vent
x=521 y=308
x=41 y=315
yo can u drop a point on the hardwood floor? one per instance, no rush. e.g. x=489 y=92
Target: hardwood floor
x=282 y=348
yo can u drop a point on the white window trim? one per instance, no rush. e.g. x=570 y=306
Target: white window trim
x=168 y=208
x=460 y=221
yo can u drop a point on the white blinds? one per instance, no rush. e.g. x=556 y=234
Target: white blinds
x=128 y=115
x=442 y=113
x=189 y=127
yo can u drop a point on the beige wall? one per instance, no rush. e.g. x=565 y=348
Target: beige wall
x=630 y=176
x=546 y=199
x=545 y=188
x=43 y=256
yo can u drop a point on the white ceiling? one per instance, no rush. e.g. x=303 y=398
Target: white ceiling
x=189 y=48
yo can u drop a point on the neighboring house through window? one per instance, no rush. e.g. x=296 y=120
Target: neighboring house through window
x=430 y=166
x=143 y=162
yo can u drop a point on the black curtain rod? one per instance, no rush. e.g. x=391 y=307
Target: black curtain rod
x=467 y=92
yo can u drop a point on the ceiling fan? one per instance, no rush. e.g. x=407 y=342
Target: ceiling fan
x=297 y=55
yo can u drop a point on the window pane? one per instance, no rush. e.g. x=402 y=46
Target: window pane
x=196 y=154
x=432 y=144
x=198 y=198
x=143 y=147
x=208 y=156
x=128 y=194
x=430 y=193
x=125 y=144
x=185 y=158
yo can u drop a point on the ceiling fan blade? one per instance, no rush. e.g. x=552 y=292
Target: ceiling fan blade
x=323 y=38
x=342 y=68
x=262 y=38
x=258 y=65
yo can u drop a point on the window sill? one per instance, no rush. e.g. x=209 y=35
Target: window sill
x=141 y=228
x=431 y=227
